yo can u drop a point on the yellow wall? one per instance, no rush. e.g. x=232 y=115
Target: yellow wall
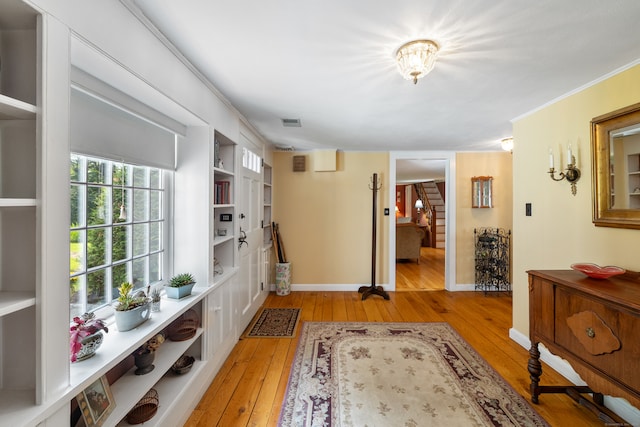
x=468 y=165
x=560 y=231
x=325 y=218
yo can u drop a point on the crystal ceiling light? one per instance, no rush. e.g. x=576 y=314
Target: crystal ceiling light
x=416 y=59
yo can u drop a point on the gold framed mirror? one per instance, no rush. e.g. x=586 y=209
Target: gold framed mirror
x=481 y=192
x=615 y=150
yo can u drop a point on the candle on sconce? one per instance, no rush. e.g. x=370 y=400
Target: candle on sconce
x=569 y=155
x=550 y=159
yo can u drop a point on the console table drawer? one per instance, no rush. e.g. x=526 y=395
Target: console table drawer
x=601 y=335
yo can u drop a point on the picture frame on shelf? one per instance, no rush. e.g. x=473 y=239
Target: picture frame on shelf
x=96 y=402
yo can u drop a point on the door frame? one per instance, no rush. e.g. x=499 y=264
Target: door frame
x=450 y=212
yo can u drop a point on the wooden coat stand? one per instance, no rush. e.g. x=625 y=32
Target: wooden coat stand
x=373 y=289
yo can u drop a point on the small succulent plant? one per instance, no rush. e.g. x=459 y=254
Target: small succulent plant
x=128 y=300
x=182 y=279
x=155 y=295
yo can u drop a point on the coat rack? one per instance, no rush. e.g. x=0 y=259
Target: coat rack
x=373 y=289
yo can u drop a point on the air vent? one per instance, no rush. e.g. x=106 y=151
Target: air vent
x=285 y=148
x=291 y=123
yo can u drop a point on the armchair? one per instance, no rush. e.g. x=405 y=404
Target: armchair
x=408 y=241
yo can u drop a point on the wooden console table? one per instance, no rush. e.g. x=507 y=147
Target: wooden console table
x=595 y=326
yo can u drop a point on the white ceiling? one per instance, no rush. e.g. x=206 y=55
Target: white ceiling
x=331 y=64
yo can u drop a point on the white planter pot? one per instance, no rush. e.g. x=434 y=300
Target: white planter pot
x=181 y=292
x=127 y=320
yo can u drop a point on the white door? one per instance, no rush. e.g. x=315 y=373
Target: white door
x=251 y=290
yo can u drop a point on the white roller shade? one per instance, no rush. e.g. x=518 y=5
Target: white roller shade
x=101 y=129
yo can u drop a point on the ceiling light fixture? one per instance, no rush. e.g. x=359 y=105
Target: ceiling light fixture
x=416 y=59
x=507 y=144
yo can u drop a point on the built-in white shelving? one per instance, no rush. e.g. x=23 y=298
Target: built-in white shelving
x=14 y=109
x=267 y=190
x=224 y=208
x=12 y=301
x=16 y=203
x=19 y=145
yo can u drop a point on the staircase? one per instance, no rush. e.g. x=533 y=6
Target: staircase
x=430 y=195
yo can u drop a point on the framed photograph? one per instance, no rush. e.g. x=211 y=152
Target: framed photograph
x=96 y=402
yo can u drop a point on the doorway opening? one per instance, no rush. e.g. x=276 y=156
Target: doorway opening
x=420 y=199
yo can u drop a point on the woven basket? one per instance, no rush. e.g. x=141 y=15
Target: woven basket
x=184 y=327
x=183 y=365
x=145 y=409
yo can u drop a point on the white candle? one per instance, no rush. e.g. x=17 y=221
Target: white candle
x=569 y=155
x=550 y=159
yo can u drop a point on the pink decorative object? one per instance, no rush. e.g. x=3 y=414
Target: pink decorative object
x=596 y=272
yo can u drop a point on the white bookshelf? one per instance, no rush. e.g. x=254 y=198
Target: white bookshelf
x=19 y=144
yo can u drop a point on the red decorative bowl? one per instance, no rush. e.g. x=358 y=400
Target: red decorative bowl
x=596 y=272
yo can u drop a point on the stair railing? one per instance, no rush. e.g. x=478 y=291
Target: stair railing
x=430 y=211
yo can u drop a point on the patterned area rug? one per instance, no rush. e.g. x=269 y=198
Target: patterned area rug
x=396 y=374
x=275 y=323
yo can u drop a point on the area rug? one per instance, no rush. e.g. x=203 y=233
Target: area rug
x=275 y=323
x=396 y=374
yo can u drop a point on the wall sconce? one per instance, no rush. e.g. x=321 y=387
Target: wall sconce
x=572 y=174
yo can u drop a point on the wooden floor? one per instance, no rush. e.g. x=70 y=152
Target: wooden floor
x=250 y=386
x=428 y=275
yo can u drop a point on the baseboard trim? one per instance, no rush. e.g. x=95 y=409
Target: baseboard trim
x=350 y=287
x=618 y=405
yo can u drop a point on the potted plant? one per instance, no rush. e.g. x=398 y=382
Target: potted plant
x=132 y=309
x=180 y=286
x=86 y=336
x=145 y=354
x=155 y=300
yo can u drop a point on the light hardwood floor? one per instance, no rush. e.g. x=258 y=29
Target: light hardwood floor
x=428 y=275
x=250 y=387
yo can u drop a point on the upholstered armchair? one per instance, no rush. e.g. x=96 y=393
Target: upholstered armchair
x=408 y=241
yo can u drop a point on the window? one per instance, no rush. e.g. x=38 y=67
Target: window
x=117 y=229
x=251 y=160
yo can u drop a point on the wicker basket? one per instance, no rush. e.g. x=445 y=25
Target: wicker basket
x=184 y=327
x=145 y=409
x=183 y=365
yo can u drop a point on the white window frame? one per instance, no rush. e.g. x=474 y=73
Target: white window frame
x=167 y=237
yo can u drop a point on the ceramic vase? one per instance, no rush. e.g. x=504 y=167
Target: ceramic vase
x=90 y=345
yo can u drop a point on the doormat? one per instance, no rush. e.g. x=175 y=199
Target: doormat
x=396 y=374
x=275 y=323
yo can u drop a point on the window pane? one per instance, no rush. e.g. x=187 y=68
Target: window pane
x=97 y=171
x=119 y=275
x=140 y=239
x=96 y=247
x=118 y=213
x=76 y=172
x=154 y=178
x=97 y=206
x=155 y=268
x=76 y=252
x=140 y=279
x=96 y=295
x=140 y=211
x=154 y=205
x=76 y=295
x=120 y=174
x=120 y=243
x=155 y=236
x=140 y=177
x=77 y=205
